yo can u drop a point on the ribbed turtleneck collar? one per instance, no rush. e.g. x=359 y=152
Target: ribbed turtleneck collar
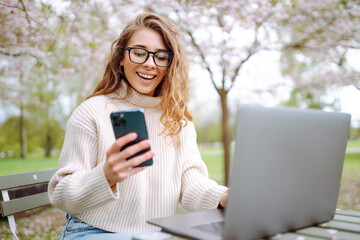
x=136 y=98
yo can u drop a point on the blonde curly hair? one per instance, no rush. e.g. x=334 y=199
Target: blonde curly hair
x=173 y=89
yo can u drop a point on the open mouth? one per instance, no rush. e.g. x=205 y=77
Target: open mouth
x=146 y=76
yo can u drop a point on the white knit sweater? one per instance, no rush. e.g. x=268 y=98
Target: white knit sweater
x=177 y=175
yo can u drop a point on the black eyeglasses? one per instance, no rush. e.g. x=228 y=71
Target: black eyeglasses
x=140 y=55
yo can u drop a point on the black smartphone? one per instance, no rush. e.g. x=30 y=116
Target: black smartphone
x=124 y=122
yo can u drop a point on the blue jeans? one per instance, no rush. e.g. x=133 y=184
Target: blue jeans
x=77 y=229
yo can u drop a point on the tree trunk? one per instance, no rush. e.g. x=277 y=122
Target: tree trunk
x=225 y=135
x=22 y=132
x=48 y=142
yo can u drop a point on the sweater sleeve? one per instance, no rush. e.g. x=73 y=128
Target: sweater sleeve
x=198 y=192
x=80 y=184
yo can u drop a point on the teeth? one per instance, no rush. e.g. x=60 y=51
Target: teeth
x=146 y=76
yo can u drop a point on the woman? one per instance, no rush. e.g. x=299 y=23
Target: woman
x=100 y=190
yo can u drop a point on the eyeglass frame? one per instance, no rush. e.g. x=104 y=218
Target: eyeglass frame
x=148 y=54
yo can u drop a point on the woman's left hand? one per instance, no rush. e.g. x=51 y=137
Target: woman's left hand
x=224 y=198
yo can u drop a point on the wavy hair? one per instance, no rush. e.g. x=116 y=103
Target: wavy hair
x=173 y=89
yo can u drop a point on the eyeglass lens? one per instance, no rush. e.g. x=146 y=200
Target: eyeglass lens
x=138 y=55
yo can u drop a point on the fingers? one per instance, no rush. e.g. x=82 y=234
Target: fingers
x=120 y=142
x=124 y=164
x=131 y=150
x=118 y=156
x=224 y=198
x=116 y=167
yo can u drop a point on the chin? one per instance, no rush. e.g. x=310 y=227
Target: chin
x=148 y=93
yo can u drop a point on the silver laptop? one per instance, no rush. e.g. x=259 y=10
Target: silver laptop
x=285 y=175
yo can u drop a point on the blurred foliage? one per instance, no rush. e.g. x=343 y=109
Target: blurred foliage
x=36 y=136
x=355 y=133
x=302 y=98
x=210 y=132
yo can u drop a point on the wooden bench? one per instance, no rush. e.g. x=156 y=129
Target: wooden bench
x=9 y=207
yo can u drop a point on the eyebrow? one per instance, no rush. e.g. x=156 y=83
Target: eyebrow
x=142 y=46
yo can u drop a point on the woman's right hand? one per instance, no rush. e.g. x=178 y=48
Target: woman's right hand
x=116 y=167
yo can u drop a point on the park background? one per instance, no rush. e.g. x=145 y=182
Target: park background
x=302 y=54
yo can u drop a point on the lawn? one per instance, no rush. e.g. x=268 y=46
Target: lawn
x=19 y=165
x=353 y=143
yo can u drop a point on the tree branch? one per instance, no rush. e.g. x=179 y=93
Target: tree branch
x=319 y=47
x=28 y=17
x=252 y=50
x=12 y=54
x=26 y=13
x=221 y=24
x=10 y=6
x=18 y=54
x=202 y=55
x=301 y=43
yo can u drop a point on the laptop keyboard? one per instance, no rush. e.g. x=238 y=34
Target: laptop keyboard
x=215 y=228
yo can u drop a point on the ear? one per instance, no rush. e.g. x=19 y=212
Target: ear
x=121 y=64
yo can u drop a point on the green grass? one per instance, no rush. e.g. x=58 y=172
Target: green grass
x=349 y=195
x=353 y=143
x=352 y=166
x=19 y=165
x=213 y=157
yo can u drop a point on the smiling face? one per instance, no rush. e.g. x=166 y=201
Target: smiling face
x=144 y=77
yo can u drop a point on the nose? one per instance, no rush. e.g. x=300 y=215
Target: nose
x=150 y=61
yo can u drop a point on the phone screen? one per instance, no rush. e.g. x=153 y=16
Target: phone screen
x=125 y=122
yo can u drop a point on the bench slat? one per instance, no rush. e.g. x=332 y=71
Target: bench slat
x=345 y=226
x=24 y=179
x=345 y=218
x=328 y=233
x=25 y=203
x=348 y=213
x=292 y=236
